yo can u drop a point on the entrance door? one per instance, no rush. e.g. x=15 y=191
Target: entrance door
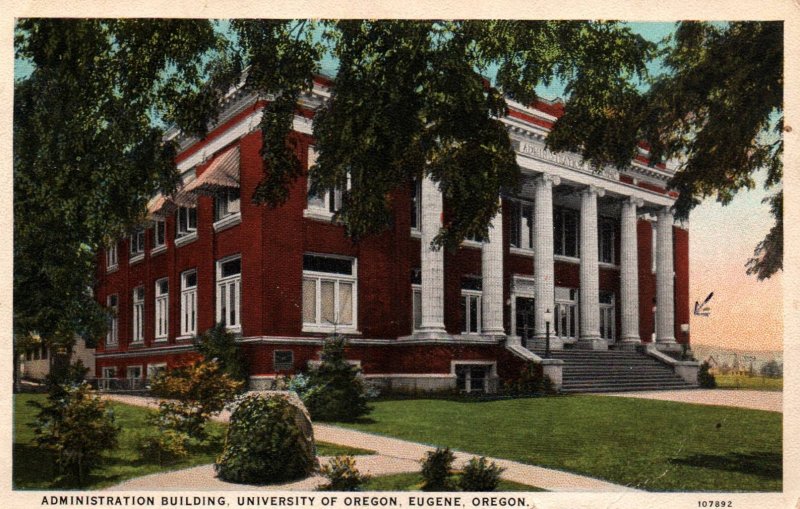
x=566 y=319
x=524 y=318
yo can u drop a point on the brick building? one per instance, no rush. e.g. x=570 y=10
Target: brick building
x=599 y=251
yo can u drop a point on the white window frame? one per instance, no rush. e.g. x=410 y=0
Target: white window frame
x=601 y=241
x=318 y=277
x=137 y=245
x=489 y=366
x=137 y=336
x=565 y=306
x=112 y=258
x=154 y=368
x=161 y=310
x=653 y=246
x=108 y=373
x=562 y=225
x=188 y=305
x=185 y=233
x=112 y=335
x=326 y=205
x=227 y=208
x=223 y=292
x=467 y=296
x=416 y=207
x=416 y=293
x=159 y=225
x=519 y=208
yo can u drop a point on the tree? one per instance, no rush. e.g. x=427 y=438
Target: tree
x=218 y=344
x=89 y=151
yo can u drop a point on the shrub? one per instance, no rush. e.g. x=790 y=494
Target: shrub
x=531 y=381
x=342 y=475
x=437 y=470
x=77 y=426
x=335 y=391
x=480 y=476
x=220 y=344
x=269 y=440
x=705 y=378
x=195 y=393
x=166 y=446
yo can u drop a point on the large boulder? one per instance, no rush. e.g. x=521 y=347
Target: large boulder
x=270 y=440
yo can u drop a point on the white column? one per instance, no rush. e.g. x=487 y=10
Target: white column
x=431 y=263
x=665 y=305
x=589 y=271
x=492 y=278
x=629 y=273
x=544 y=279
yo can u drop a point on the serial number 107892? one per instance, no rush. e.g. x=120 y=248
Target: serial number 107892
x=715 y=503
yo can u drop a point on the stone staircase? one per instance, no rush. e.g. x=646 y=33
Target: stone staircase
x=614 y=371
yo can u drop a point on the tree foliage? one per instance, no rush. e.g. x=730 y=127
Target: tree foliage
x=219 y=345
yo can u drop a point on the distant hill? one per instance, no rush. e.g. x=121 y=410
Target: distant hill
x=729 y=355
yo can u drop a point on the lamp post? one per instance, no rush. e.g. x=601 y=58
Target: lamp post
x=548 y=317
x=685 y=331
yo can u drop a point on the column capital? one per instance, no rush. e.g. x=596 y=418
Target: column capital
x=633 y=200
x=592 y=189
x=544 y=178
x=664 y=212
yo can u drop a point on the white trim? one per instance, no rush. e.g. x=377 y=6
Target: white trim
x=227 y=222
x=410 y=375
x=472 y=244
x=158 y=250
x=188 y=303
x=468 y=295
x=223 y=284
x=566 y=259
x=161 y=310
x=416 y=233
x=520 y=251
x=186 y=239
x=318 y=278
x=604 y=265
x=112 y=270
x=318 y=214
x=136 y=258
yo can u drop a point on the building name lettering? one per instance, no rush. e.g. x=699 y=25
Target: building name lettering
x=539 y=152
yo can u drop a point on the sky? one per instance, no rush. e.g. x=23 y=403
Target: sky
x=745 y=313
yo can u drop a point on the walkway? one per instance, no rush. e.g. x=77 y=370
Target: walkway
x=394 y=456
x=756 y=400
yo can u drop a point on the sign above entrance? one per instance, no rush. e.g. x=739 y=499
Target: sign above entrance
x=538 y=151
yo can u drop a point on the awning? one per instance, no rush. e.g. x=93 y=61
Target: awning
x=161 y=206
x=223 y=172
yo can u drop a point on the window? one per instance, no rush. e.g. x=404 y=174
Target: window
x=653 y=247
x=112 y=335
x=472 y=378
x=324 y=202
x=159 y=233
x=153 y=370
x=416 y=205
x=134 y=377
x=606 y=235
x=111 y=257
x=566 y=317
x=137 y=243
x=329 y=292
x=189 y=303
x=471 y=305
x=416 y=306
x=226 y=203
x=187 y=221
x=162 y=309
x=607 y=324
x=565 y=232
x=283 y=360
x=138 y=315
x=109 y=374
x=524 y=317
x=521 y=225
x=229 y=287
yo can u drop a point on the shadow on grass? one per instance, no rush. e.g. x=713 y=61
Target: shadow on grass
x=767 y=465
x=36 y=469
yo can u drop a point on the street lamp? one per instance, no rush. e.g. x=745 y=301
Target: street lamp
x=548 y=317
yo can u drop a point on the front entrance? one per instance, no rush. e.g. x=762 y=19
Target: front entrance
x=566 y=317
x=524 y=318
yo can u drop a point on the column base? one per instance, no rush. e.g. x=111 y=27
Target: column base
x=494 y=335
x=669 y=346
x=431 y=334
x=592 y=344
x=628 y=344
x=541 y=344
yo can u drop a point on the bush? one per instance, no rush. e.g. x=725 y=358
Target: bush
x=480 y=476
x=219 y=344
x=196 y=393
x=437 y=470
x=269 y=440
x=335 y=392
x=704 y=378
x=531 y=381
x=342 y=475
x=77 y=426
x=166 y=446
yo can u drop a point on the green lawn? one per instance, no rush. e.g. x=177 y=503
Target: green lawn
x=759 y=383
x=646 y=444
x=34 y=468
x=412 y=481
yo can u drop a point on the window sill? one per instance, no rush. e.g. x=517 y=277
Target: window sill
x=330 y=330
x=416 y=233
x=606 y=265
x=318 y=214
x=472 y=244
x=160 y=340
x=567 y=259
x=136 y=259
x=228 y=222
x=158 y=250
x=112 y=269
x=186 y=239
x=521 y=251
x=137 y=344
x=187 y=337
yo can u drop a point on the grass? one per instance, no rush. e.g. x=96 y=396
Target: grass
x=34 y=468
x=646 y=444
x=759 y=383
x=412 y=481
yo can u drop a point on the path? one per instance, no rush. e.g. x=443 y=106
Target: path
x=394 y=456
x=756 y=400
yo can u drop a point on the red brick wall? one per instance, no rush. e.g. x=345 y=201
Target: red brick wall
x=680 y=247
